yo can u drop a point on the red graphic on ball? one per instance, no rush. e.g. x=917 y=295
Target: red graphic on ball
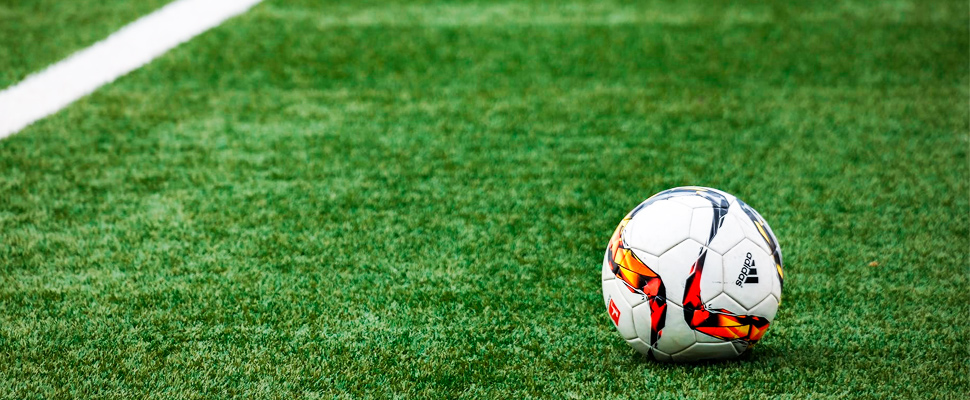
x=614 y=313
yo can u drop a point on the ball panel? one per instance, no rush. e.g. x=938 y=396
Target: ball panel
x=771 y=234
x=650 y=260
x=702 y=337
x=642 y=322
x=720 y=302
x=700 y=223
x=618 y=309
x=607 y=272
x=692 y=201
x=725 y=302
x=712 y=278
x=676 y=335
x=661 y=356
x=776 y=284
x=767 y=308
x=730 y=197
x=766 y=234
x=675 y=266
x=748 y=273
x=693 y=191
x=707 y=351
x=632 y=298
x=657 y=228
x=749 y=228
x=639 y=346
x=740 y=346
x=729 y=234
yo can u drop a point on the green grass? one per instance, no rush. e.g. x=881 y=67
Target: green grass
x=333 y=200
x=37 y=33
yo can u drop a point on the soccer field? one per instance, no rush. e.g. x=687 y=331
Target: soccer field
x=323 y=199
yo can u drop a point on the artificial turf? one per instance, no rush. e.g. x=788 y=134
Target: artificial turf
x=36 y=33
x=323 y=199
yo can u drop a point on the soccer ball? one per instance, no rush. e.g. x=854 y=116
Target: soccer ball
x=692 y=273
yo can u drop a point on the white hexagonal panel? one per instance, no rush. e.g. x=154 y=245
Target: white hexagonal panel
x=749 y=273
x=658 y=227
x=618 y=309
x=642 y=322
x=675 y=266
x=700 y=223
x=767 y=308
x=676 y=335
x=707 y=351
x=728 y=235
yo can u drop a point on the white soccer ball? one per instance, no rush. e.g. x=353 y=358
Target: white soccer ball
x=692 y=273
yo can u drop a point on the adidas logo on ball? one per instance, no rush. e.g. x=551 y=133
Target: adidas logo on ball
x=749 y=274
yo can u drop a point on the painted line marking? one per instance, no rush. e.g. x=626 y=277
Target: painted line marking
x=131 y=47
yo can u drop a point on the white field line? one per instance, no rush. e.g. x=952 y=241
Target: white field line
x=134 y=45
